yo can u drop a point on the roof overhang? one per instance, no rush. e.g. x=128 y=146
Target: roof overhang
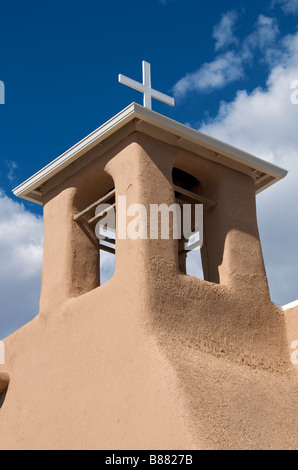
x=149 y=122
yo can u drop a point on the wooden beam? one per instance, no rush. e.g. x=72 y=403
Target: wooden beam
x=181 y=202
x=109 y=240
x=94 y=204
x=100 y=216
x=194 y=196
x=261 y=179
x=108 y=249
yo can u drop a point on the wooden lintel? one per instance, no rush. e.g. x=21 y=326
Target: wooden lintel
x=194 y=196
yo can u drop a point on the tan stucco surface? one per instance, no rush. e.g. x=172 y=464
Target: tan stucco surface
x=153 y=359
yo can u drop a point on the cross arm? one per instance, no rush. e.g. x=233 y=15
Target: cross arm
x=162 y=97
x=131 y=83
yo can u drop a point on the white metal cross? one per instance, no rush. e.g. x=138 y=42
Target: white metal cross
x=145 y=87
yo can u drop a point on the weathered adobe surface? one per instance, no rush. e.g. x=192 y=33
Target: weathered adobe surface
x=153 y=359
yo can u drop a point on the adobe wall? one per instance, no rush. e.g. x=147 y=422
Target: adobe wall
x=153 y=359
x=292 y=333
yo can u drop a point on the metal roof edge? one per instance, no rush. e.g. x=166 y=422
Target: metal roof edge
x=133 y=111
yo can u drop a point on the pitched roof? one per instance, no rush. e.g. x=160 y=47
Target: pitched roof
x=149 y=122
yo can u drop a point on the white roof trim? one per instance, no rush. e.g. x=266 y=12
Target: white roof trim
x=128 y=114
x=284 y=308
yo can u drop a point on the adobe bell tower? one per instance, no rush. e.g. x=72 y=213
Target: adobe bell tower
x=154 y=358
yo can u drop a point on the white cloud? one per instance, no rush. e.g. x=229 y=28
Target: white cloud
x=194 y=265
x=223 y=33
x=224 y=69
x=264 y=123
x=229 y=67
x=269 y=113
x=12 y=166
x=21 y=239
x=21 y=249
x=166 y=2
x=288 y=6
x=263 y=38
x=107 y=266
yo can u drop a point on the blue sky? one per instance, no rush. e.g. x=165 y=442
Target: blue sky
x=228 y=64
